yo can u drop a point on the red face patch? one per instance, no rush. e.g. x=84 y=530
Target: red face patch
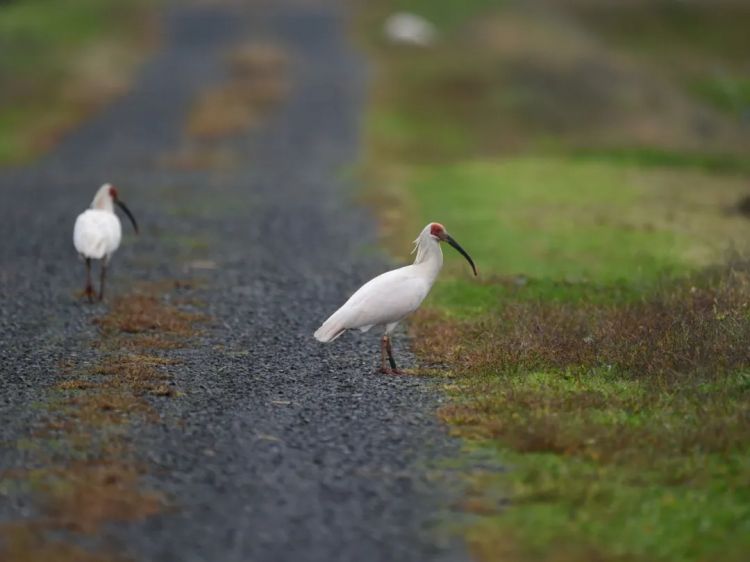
x=113 y=192
x=437 y=229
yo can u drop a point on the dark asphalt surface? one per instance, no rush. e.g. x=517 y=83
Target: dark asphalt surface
x=280 y=448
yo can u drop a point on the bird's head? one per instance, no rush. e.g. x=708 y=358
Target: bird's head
x=437 y=232
x=107 y=197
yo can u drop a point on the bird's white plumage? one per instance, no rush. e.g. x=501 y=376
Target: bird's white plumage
x=390 y=297
x=376 y=303
x=97 y=234
x=97 y=231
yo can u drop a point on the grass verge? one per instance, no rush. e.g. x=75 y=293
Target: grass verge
x=597 y=178
x=624 y=426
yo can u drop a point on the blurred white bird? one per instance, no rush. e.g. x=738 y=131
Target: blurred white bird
x=389 y=298
x=97 y=233
x=403 y=27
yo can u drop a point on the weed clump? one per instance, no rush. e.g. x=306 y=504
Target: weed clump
x=147 y=314
x=607 y=381
x=82 y=495
x=618 y=420
x=698 y=327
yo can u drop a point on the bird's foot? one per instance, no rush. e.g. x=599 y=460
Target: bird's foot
x=389 y=371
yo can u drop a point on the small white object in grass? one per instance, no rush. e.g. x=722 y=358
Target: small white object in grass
x=410 y=29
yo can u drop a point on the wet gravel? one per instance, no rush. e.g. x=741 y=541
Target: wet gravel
x=278 y=448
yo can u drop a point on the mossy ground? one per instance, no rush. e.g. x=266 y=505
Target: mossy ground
x=580 y=154
x=256 y=84
x=87 y=474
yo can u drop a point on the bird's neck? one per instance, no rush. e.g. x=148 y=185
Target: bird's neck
x=429 y=255
x=103 y=202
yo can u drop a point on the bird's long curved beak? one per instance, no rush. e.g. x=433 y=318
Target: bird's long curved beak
x=127 y=212
x=457 y=246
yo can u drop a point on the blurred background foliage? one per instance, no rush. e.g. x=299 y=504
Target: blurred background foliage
x=60 y=60
x=667 y=75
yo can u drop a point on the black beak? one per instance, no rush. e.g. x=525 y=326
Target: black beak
x=457 y=246
x=127 y=212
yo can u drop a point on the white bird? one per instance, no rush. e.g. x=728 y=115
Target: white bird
x=97 y=233
x=390 y=297
x=410 y=29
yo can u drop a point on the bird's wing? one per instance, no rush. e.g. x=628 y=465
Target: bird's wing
x=96 y=234
x=385 y=299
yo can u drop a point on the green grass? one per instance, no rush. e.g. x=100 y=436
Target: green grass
x=730 y=94
x=646 y=157
x=601 y=355
x=466 y=298
x=545 y=219
x=625 y=481
x=568 y=228
x=613 y=517
x=58 y=60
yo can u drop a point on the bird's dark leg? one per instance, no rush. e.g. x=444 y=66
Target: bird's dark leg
x=89 y=290
x=383 y=355
x=395 y=370
x=102 y=277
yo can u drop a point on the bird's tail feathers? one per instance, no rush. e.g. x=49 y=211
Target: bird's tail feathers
x=330 y=330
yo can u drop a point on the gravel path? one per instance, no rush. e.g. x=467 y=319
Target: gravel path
x=277 y=448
